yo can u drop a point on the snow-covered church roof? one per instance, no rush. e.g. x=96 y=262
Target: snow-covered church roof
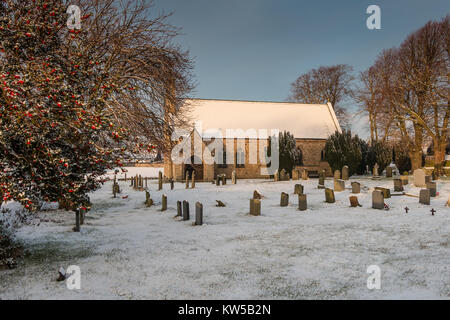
x=304 y=121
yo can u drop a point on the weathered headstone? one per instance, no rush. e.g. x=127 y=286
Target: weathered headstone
x=220 y=203
x=419 y=178
x=193 y=180
x=298 y=189
x=160 y=182
x=224 y=179
x=389 y=172
x=345 y=173
x=337 y=174
x=198 y=214
x=185 y=210
x=424 y=196
x=276 y=176
x=386 y=192
x=354 y=201
x=428 y=179
x=77 y=221
x=179 y=209
x=218 y=178
x=233 y=177
x=171 y=184
x=283 y=175
x=356 y=187
x=148 y=200
x=257 y=195
x=398 y=185
x=405 y=179
x=295 y=174
x=302 y=202
x=321 y=184
x=329 y=195
x=255 y=207
x=339 y=185
x=82 y=215
x=163 y=202
x=187 y=180
x=377 y=200
x=304 y=174
x=284 y=201
x=432 y=187
x=375 y=170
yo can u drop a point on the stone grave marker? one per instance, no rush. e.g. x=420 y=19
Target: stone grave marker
x=171 y=184
x=193 y=180
x=255 y=207
x=295 y=174
x=302 y=202
x=329 y=195
x=356 y=187
x=163 y=202
x=304 y=174
x=198 y=214
x=354 y=202
x=337 y=174
x=298 y=189
x=321 y=184
x=284 y=201
x=224 y=179
x=419 y=178
x=233 y=177
x=377 y=200
x=257 y=195
x=339 y=185
x=432 y=187
x=179 y=209
x=77 y=221
x=185 y=210
x=398 y=185
x=389 y=172
x=424 y=196
x=187 y=180
x=375 y=170
x=160 y=182
x=405 y=179
x=345 y=173
x=386 y=192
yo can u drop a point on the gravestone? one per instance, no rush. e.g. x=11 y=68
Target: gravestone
x=233 y=177
x=77 y=221
x=193 y=180
x=82 y=211
x=302 y=202
x=163 y=202
x=398 y=185
x=345 y=173
x=377 y=200
x=298 y=189
x=339 y=185
x=419 y=178
x=375 y=170
x=255 y=207
x=424 y=196
x=295 y=174
x=257 y=195
x=304 y=174
x=284 y=201
x=148 y=200
x=322 y=173
x=220 y=203
x=329 y=195
x=356 y=187
x=218 y=180
x=354 y=202
x=276 y=176
x=337 y=174
x=179 y=210
x=428 y=179
x=283 y=175
x=386 y=192
x=321 y=184
x=185 y=210
x=224 y=179
x=432 y=187
x=198 y=214
x=187 y=180
x=171 y=184
x=405 y=179
x=160 y=182
x=388 y=172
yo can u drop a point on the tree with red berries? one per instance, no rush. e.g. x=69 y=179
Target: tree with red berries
x=58 y=134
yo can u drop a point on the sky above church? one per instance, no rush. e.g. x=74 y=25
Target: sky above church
x=254 y=49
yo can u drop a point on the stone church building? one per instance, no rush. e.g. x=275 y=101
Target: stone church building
x=310 y=124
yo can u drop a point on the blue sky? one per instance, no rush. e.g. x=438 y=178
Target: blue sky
x=254 y=49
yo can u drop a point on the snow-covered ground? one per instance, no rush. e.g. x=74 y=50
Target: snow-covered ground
x=128 y=251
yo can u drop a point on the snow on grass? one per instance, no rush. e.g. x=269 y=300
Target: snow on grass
x=128 y=251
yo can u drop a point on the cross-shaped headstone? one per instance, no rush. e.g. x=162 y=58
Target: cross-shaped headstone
x=433 y=211
x=406 y=209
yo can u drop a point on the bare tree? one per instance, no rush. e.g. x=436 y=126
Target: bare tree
x=325 y=84
x=151 y=75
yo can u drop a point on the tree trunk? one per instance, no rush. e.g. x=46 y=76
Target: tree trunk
x=416 y=159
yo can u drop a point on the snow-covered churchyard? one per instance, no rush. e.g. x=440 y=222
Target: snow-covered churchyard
x=128 y=250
